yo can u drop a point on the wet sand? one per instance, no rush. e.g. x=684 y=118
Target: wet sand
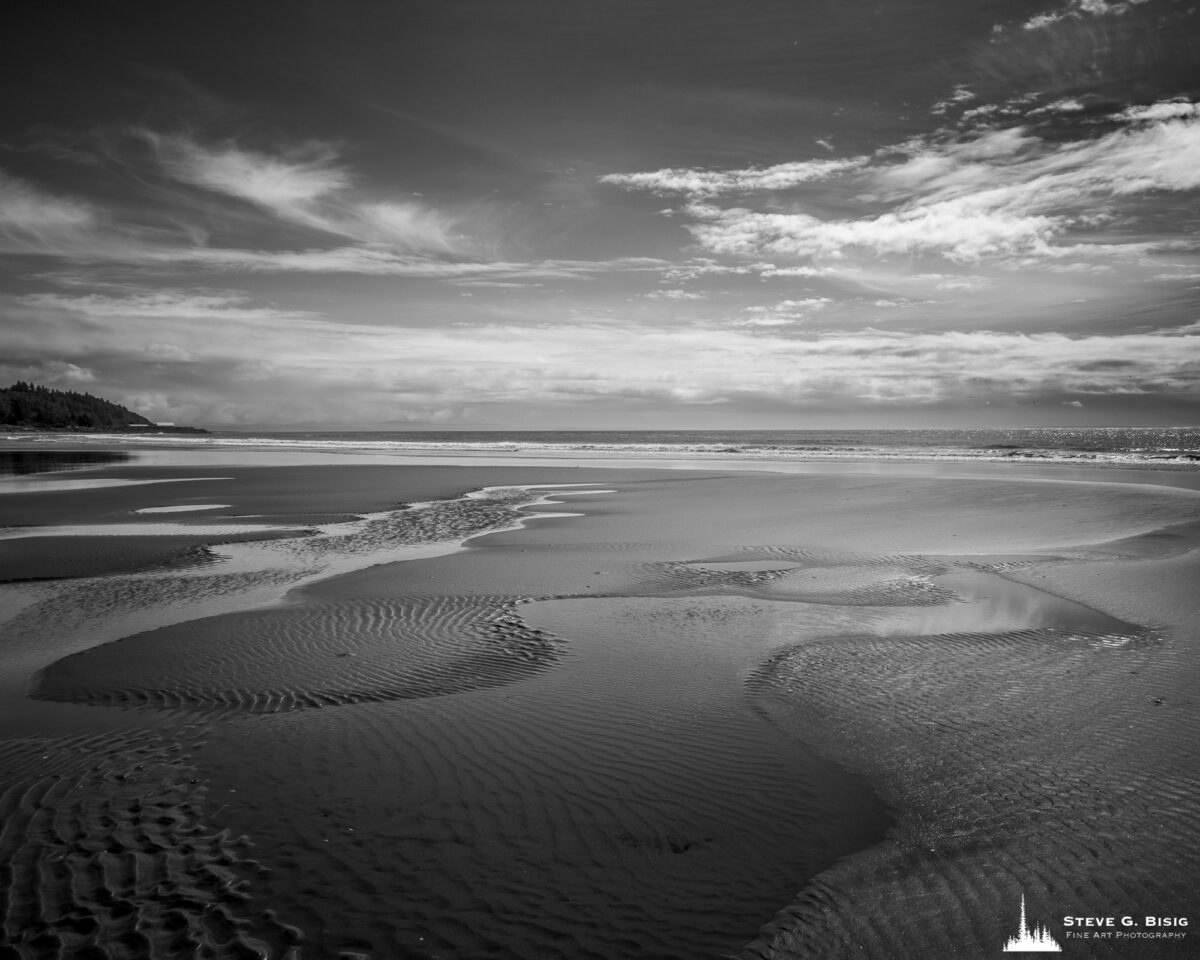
x=710 y=714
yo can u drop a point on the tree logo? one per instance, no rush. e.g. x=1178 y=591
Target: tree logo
x=1031 y=939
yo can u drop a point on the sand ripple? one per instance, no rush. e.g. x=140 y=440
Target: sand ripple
x=310 y=655
x=104 y=854
x=1010 y=759
x=630 y=805
x=620 y=806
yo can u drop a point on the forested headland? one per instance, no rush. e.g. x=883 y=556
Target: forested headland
x=32 y=407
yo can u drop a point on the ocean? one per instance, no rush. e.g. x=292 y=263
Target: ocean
x=1125 y=446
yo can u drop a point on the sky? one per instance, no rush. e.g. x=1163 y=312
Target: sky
x=629 y=214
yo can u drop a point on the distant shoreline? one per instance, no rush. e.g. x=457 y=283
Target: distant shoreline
x=102 y=431
x=1143 y=449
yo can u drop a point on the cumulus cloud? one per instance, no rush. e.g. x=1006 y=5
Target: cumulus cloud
x=1078 y=8
x=762 y=319
x=793 y=308
x=54 y=373
x=996 y=193
x=783 y=313
x=714 y=182
x=808 y=303
x=1067 y=105
x=951 y=282
x=243 y=349
x=1163 y=110
x=676 y=295
x=962 y=94
x=870 y=366
x=952 y=229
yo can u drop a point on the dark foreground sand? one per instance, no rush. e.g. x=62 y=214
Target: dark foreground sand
x=836 y=714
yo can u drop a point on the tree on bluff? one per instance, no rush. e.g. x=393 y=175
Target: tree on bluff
x=28 y=405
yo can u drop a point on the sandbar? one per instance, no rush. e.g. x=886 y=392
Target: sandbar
x=638 y=711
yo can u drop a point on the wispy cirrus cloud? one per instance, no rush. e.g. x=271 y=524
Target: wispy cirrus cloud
x=30 y=217
x=288 y=183
x=1077 y=61
x=368 y=261
x=395 y=239
x=166 y=303
x=159 y=325
x=307 y=185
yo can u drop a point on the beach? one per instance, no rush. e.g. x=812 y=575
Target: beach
x=306 y=705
